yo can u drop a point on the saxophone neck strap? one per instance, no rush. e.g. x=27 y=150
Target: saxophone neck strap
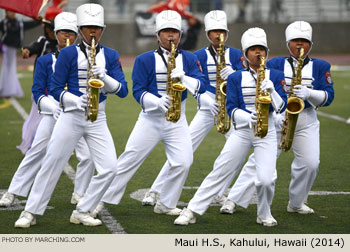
x=253 y=73
x=305 y=61
x=161 y=53
x=213 y=54
x=82 y=47
x=57 y=52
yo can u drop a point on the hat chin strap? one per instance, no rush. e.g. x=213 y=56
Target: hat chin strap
x=84 y=38
x=251 y=63
x=226 y=37
x=177 y=43
x=76 y=37
x=305 y=55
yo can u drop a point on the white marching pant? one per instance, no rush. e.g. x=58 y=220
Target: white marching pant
x=31 y=163
x=69 y=128
x=230 y=161
x=304 y=168
x=199 y=128
x=9 y=83
x=149 y=129
x=85 y=168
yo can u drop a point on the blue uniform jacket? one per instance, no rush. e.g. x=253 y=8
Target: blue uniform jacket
x=320 y=73
x=66 y=71
x=42 y=74
x=235 y=98
x=236 y=58
x=144 y=74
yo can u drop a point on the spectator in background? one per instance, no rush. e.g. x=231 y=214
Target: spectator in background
x=121 y=5
x=190 y=35
x=241 y=4
x=275 y=10
x=12 y=30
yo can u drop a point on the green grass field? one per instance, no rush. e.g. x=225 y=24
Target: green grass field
x=331 y=211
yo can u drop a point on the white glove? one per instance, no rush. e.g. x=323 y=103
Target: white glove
x=57 y=113
x=164 y=103
x=225 y=72
x=267 y=86
x=46 y=106
x=302 y=92
x=82 y=102
x=177 y=73
x=207 y=103
x=99 y=72
x=278 y=118
x=242 y=118
x=252 y=120
x=71 y=102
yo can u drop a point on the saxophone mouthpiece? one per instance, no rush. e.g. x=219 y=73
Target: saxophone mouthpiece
x=258 y=56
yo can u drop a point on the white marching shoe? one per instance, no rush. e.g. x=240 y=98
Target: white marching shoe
x=228 y=207
x=75 y=198
x=269 y=222
x=159 y=208
x=7 y=199
x=25 y=220
x=84 y=218
x=220 y=200
x=186 y=217
x=304 y=209
x=98 y=209
x=150 y=199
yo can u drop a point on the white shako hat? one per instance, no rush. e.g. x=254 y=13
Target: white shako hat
x=168 y=19
x=252 y=37
x=215 y=20
x=90 y=14
x=299 y=29
x=66 y=21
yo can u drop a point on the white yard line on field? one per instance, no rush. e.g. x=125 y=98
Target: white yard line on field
x=334 y=117
x=106 y=217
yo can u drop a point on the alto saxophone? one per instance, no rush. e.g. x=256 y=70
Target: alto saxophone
x=174 y=89
x=294 y=106
x=262 y=102
x=67 y=44
x=93 y=87
x=222 y=120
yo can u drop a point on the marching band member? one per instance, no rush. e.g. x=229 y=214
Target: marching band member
x=72 y=68
x=241 y=93
x=65 y=28
x=149 y=89
x=12 y=35
x=316 y=91
x=215 y=24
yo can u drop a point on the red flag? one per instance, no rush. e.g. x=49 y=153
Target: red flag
x=30 y=8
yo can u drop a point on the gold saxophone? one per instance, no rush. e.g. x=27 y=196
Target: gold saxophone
x=262 y=102
x=294 y=106
x=67 y=44
x=222 y=120
x=93 y=87
x=174 y=89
